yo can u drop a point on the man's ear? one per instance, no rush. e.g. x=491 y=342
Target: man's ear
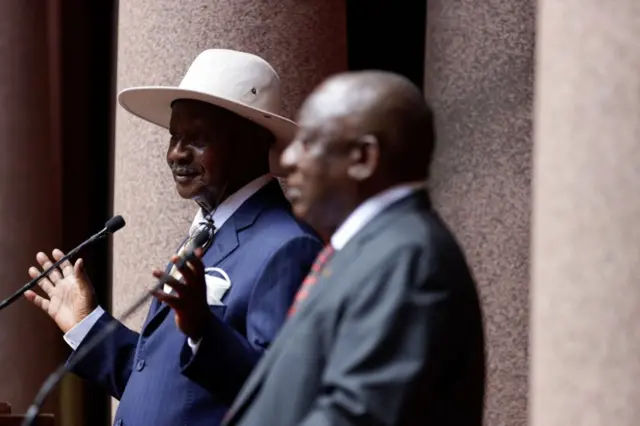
x=365 y=157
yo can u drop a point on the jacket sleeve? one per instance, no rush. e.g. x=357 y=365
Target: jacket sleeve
x=109 y=364
x=391 y=333
x=224 y=358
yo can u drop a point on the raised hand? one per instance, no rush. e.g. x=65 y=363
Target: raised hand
x=70 y=295
x=189 y=298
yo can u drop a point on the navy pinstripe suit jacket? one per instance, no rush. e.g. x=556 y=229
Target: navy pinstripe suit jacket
x=267 y=253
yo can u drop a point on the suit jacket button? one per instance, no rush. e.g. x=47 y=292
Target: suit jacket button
x=140 y=365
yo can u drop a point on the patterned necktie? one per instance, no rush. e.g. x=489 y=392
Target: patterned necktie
x=312 y=278
x=188 y=245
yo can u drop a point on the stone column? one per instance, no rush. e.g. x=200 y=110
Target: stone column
x=30 y=193
x=479 y=78
x=586 y=245
x=158 y=40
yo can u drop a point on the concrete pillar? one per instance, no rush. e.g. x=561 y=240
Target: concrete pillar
x=30 y=194
x=158 y=40
x=479 y=78
x=586 y=234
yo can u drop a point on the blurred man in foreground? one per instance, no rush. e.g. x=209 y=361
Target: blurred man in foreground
x=187 y=367
x=387 y=328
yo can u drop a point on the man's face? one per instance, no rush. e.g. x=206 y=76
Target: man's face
x=199 y=149
x=318 y=160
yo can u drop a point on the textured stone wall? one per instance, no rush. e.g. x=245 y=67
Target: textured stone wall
x=479 y=78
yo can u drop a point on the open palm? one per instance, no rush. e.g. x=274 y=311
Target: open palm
x=70 y=295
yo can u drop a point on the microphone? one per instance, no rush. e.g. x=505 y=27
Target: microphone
x=114 y=224
x=200 y=240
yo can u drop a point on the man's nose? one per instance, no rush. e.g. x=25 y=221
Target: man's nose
x=179 y=153
x=290 y=155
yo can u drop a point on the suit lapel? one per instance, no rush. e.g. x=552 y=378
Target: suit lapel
x=226 y=240
x=350 y=253
x=341 y=261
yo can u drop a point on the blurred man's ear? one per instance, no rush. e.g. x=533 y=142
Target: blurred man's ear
x=365 y=157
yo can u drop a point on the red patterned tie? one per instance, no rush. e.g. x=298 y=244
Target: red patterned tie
x=311 y=279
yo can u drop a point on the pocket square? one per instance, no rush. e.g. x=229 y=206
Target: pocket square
x=218 y=283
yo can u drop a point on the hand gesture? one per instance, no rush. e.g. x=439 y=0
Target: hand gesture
x=189 y=298
x=70 y=295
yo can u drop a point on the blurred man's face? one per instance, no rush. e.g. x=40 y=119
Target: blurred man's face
x=319 y=185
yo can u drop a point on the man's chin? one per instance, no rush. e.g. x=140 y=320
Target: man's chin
x=187 y=192
x=299 y=209
x=308 y=216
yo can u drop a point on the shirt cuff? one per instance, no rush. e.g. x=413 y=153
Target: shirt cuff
x=78 y=332
x=193 y=345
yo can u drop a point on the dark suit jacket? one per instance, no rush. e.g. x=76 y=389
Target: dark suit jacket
x=266 y=254
x=391 y=334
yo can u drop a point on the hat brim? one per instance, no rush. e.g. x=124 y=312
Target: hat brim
x=153 y=104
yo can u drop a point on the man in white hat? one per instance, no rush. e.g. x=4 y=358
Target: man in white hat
x=187 y=367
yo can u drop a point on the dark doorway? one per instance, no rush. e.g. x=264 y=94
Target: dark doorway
x=388 y=35
x=87 y=42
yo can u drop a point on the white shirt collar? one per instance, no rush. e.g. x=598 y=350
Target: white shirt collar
x=368 y=210
x=231 y=203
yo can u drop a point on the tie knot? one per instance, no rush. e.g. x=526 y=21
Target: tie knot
x=207 y=227
x=201 y=226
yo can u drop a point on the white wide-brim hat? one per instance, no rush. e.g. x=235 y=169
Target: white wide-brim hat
x=237 y=81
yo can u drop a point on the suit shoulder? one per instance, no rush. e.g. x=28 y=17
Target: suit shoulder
x=424 y=231
x=278 y=227
x=426 y=238
x=282 y=220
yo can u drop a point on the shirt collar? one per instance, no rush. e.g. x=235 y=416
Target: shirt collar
x=369 y=209
x=231 y=203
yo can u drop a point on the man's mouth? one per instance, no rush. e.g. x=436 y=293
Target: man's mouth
x=184 y=174
x=293 y=193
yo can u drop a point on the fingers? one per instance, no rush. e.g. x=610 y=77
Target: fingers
x=167 y=279
x=39 y=301
x=174 y=302
x=181 y=266
x=191 y=269
x=65 y=266
x=196 y=263
x=46 y=263
x=78 y=269
x=44 y=283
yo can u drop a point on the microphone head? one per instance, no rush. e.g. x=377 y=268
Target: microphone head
x=114 y=224
x=201 y=239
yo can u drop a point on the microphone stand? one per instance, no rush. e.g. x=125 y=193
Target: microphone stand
x=114 y=224
x=55 y=377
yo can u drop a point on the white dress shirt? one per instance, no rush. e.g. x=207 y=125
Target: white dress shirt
x=368 y=210
x=76 y=335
